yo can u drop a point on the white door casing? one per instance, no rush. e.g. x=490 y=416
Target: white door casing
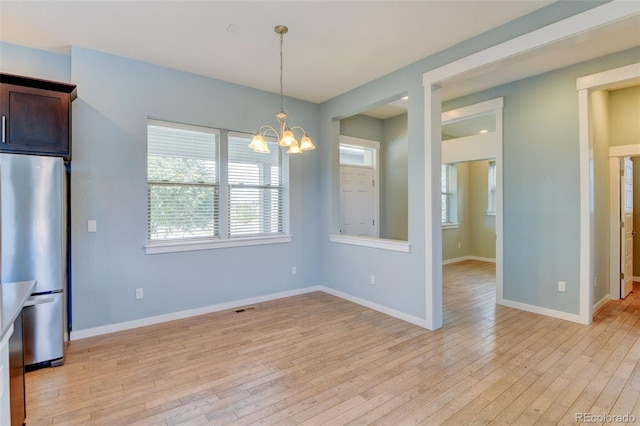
x=626 y=235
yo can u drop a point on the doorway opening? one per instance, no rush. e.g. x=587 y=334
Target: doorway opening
x=600 y=149
x=472 y=210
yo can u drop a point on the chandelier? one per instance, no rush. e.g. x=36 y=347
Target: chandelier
x=285 y=136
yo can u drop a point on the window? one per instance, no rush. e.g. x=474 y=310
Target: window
x=205 y=185
x=491 y=205
x=352 y=155
x=255 y=189
x=449 y=195
x=182 y=176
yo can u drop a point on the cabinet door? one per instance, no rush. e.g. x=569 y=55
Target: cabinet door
x=35 y=121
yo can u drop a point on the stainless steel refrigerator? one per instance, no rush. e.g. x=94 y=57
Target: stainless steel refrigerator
x=35 y=236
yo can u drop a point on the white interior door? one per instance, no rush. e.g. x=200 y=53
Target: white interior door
x=356 y=201
x=626 y=232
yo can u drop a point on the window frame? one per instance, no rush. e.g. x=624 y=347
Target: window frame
x=223 y=238
x=492 y=189
x=450 y=194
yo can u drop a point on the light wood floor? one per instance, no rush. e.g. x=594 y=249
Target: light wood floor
x=316 y=359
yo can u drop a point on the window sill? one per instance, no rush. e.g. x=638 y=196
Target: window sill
x=491 y=213
x=450 y=225
x=379 y=243
x=180 y=246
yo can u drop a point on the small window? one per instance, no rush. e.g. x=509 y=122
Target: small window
x=352 y=155
x=182 y=181
x=255 y=188
x=449 y=195
x=492 y=193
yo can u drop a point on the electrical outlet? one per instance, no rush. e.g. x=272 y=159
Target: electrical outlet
x=459 y=245
x=293 y=270
x=372 y=279
x=562 y=286
x=139 y=293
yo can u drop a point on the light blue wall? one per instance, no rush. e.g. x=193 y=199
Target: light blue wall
x=362 y=126
x=115 y=97
x=34 y=63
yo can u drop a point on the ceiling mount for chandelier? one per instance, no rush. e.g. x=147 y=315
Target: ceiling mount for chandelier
x=284 y=135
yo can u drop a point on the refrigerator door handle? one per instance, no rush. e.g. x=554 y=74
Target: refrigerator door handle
x=38 y=300
x=4 y=129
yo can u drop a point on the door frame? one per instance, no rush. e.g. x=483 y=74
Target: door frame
x=615 y=154
x=374 y=145
x=609 y=79
x=433 y=81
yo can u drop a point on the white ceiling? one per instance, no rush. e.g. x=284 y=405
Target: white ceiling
x=331 y=47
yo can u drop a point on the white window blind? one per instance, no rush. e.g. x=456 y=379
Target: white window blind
x=491 y=205
x=256 y=188
x=448 y=173
x=182 y=177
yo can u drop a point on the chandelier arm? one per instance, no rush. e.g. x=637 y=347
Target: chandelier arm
x=304 y=132
x=263 y=130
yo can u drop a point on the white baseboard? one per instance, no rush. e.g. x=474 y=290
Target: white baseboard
x=463 y=258
x=376 y=307
x=127 y=325
x=601 y=303
x=636 y=279
x=540 y=310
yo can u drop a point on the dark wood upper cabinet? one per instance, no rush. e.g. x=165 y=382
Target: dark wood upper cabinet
x=36 y=116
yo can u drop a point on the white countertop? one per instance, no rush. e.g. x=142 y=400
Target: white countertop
x=12 y=298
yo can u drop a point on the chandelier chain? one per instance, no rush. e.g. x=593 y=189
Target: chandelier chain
x=281 y=63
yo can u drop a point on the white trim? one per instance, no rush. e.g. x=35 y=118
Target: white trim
x=376 y=307
x=572 y=26
x=470 y=148
x=540 y=310
x=614 y=228
x=450 y=225
x=142 y=322
x=180 y=246
x=367 y=143
x=636 y=279
x=5 y=340
x=586 y=213
x=591 y=19
x=464 y=113
x=625 y=151
x=463 y=258
x=622 y=76
x=433 y=208
x=378 y=243
x=158 y=319
x=601 y=303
